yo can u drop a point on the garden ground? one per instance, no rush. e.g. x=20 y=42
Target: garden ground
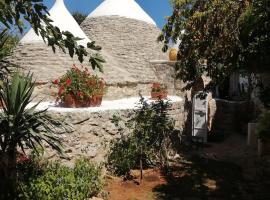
x=221 y=171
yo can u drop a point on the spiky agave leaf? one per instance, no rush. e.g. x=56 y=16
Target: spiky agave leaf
x=22 y=126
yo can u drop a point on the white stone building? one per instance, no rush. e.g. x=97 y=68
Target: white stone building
x=121 y=27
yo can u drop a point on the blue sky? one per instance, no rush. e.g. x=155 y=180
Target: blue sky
x=157 y=9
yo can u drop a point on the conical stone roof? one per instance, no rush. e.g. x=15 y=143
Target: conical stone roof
x=127 y=33
x=63 y=20
x=123 y=8
x=32 y=54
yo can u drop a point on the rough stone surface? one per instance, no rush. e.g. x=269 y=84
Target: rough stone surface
x=131 y=43
x=163 y=70
x=48 y=66
x=92 y=132
x=42 y=61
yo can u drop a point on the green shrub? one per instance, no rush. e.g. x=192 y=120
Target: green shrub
x=123 y=157
x=58 y=182
x=148 y=140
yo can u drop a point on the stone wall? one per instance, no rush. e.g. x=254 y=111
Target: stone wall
x=163 y=71
x=226 y=117
x=92 y=132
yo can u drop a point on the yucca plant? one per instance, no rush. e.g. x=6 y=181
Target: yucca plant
x=22 y=126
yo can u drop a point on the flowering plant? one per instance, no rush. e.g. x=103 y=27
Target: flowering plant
x=79 y=83
x=157 y=87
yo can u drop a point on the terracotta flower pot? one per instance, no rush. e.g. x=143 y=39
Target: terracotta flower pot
x=159 y=95
x=96 y=100
x=70 y=101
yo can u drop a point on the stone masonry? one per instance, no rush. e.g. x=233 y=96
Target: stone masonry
x=92 y=132
x=163 y=70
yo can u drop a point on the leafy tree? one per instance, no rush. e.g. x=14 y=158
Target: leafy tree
x=34 y=12
x=22 y=126
x=226 y=33
x=255 y=35
x=79 y=17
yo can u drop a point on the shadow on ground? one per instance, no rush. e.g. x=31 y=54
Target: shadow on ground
x=201 y=178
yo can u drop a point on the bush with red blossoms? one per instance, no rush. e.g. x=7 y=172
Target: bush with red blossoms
x=79 y=83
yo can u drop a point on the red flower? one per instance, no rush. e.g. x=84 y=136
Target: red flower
x=60 y=91
x=68 y=82
x=79 y=94
x=56 y=81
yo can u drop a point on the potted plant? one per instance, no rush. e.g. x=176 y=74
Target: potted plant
x=263 y=132
x=79 y=88
x=158 y=91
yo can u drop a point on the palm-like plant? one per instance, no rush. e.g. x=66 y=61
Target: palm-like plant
x=22 y=126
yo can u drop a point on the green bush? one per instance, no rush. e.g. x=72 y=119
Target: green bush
x=148 y=140
x=123 y=157
x=58 y=182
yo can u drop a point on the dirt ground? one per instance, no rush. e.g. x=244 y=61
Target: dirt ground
x=134 y=189
x=226 y=170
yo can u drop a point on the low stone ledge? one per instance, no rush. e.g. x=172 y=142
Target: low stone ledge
x=92 y=130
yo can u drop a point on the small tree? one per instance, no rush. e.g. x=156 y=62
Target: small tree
x=22 y=126
x=147 y=142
